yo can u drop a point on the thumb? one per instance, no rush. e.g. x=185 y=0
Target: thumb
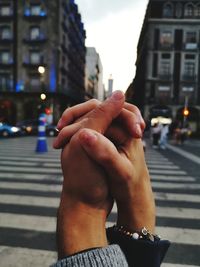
x=103 y=152
x=102 y=116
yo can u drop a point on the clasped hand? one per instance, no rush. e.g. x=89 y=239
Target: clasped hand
x=102 y=159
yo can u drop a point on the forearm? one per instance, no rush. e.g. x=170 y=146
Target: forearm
x=139 y=209
x=79 y=227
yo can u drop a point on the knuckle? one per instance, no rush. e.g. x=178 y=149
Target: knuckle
x=94 y=102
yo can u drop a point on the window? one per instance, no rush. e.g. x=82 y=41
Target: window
x=189 y=69
x=5 y=57
x=166 y=39
x=166 y=56
x=190 y=56
x=35 y=10
x=168 y=10
x=34 y=33
x=6 y=82
x=34 y=57
x=5 y=11
x=191 y=37
x=165 y=67
x=191 y=40
x=35 y=82
x=197 y=11
x=5 y=33
x=189 y=10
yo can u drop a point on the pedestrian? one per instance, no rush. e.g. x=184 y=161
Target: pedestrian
x=164 y=136
x=101 y=161
x=156 y=131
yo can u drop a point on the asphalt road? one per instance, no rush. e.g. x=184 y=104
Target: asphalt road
x=30 y=187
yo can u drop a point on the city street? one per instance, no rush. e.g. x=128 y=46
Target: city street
x=30 y=186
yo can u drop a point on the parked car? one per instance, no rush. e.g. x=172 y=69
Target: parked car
x=30 y=127
x=9 y=130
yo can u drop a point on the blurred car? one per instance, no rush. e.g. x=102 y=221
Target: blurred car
x=30 y=127
x=7 y=130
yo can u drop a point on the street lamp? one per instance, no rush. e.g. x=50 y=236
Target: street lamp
x=43 y=96
x=41 y=69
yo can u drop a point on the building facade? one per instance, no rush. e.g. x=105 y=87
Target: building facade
x=94 y=75
x=167 y=76
x=42 y=50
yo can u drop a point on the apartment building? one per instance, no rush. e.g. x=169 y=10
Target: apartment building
x=168 y=63
x=42 y=50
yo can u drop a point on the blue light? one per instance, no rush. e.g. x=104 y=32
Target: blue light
x=19 y=86
x=43 y=13
x=52 y=78
x=27 y=12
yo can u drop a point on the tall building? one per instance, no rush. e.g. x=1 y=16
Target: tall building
x=42 y=50
x=94 y=74
x=168 y=61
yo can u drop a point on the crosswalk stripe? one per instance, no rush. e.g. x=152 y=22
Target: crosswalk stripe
x=175 y=185
x=32 y=170
x=177 y=197
x=167 y=178
x=178 y=212
x=179 y=235
x=25 y=176
x=27 y=200
x=28 y=222
x=33 y=187
x=165 y=167
x=177 y=265
x=41 y=257
x=175 y=172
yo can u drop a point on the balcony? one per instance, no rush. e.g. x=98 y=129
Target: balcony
x=6 y=39
x=35 y=15
x=189 y=78
x=6 y=13
x=6 y=63
x=165 y=77
x=41 y=38
x=166 y=46
x=190 y=46
x=34 y=64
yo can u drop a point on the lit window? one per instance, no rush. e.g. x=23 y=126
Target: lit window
x=6 y=33
x=5 y=57
x=189 y=10
x=168 y=10
x=34 y=57
x=35 y=10
x=5 y=10
x=166 y=39
x=34 y=33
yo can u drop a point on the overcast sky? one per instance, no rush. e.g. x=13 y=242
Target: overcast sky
x=113 y=28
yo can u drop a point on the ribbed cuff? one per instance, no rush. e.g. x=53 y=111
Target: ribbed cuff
x=100 y=257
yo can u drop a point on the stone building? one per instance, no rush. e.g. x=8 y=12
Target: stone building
x=94 y=74
x=167 y=76
x=42 y=50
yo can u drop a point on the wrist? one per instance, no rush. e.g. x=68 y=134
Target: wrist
x=139 y=209
x=79 y=227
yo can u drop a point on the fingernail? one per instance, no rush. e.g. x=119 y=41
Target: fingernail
x=59 y=124
x=117 y=95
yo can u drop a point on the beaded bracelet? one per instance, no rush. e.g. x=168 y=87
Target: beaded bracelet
x=143 y=234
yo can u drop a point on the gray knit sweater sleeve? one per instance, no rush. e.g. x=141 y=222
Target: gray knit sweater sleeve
x=110 y=256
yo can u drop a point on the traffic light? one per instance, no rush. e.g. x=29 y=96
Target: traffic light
x=186 y=112
x=48 y=111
